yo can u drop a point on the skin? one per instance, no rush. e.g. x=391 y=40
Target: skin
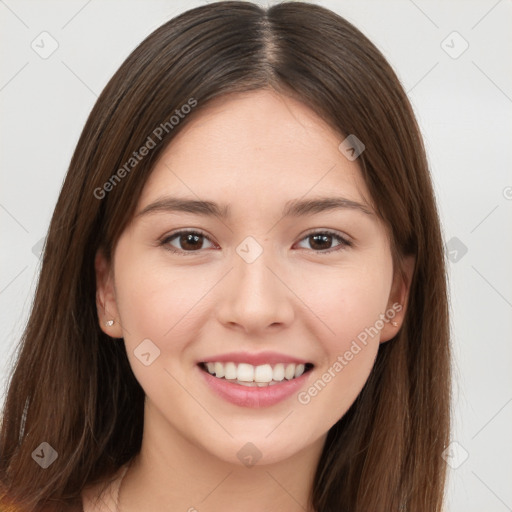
x=254 y=151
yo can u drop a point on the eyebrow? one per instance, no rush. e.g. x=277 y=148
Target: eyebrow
x=292 y=208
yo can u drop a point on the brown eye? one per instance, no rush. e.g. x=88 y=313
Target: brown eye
x=321 y=241
x=185 y=241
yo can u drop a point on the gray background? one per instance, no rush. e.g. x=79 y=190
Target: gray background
x=463 y=101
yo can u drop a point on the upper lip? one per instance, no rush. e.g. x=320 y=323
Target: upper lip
x=254 y=359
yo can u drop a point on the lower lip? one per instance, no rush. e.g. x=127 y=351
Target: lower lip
x=255 y=397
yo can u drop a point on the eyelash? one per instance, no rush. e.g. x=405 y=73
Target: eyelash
x=343 y=242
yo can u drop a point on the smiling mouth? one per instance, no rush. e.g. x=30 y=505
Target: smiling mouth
x=255 y=376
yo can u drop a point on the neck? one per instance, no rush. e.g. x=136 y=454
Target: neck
x=173 y=471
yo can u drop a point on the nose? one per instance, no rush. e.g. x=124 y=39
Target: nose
x=255 y=296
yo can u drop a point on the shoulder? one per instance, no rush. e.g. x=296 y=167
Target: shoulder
x=102 y=496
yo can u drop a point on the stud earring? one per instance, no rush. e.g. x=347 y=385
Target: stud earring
x=394 y=324
x=109 y=323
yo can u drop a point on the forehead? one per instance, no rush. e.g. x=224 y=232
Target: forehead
x=254 y=149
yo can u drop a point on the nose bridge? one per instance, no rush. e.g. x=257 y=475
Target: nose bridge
x=255 y=282
x=254 y=279
x=256 y=298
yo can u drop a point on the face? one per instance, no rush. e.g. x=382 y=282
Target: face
x=264 y=289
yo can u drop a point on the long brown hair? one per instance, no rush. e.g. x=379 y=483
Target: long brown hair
x=72 y=385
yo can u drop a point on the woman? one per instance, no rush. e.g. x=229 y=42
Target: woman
x=242 y=302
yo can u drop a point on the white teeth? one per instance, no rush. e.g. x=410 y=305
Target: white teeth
x=230 y=371
x=219 y=370
x=289 y=372
x=263 y=373
x=248 y=384
x=245 y=372
x=278 y=372
x=299 y=370
x=249 y=375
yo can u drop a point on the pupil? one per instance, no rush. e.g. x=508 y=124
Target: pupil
x=325 y=238
x=188 y=238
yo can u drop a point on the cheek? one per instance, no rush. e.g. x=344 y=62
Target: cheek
x=161 y=306
x=154 y=301
x=347 y=324
x=347 y=303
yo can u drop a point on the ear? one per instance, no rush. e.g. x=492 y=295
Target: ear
x=106 y=304
x=398 y=299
